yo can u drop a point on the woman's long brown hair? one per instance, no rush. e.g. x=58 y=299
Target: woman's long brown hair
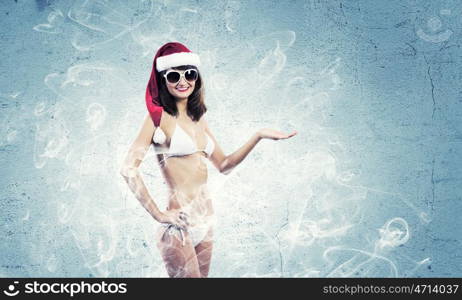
x=195 y=107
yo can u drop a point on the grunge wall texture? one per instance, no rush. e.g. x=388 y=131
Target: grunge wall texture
x=370 y=186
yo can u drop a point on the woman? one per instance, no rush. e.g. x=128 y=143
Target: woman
x=182 y=139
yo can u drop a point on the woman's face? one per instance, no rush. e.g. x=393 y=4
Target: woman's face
x=182 y=89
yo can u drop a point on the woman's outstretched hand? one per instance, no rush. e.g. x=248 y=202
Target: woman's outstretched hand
x=268 y=133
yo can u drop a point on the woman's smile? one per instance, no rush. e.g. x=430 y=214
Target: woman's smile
x=182 y=89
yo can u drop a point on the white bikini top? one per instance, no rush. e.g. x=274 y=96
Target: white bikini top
x=181 y=143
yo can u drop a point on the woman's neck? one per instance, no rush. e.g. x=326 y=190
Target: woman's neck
x=182 y=106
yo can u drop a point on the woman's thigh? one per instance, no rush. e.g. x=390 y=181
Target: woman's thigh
x=180 y=260
x=203 y=252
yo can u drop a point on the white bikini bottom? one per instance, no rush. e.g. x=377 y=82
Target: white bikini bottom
x=197 y=233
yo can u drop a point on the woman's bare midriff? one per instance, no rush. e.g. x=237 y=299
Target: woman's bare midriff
x=186 y=177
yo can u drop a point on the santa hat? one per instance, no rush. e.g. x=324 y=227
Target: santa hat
x=168 y=56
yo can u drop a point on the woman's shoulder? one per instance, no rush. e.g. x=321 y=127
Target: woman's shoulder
x=203 y=121
x=166 y=123
x=160 y=117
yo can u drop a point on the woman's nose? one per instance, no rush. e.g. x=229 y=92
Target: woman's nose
x=183 y=80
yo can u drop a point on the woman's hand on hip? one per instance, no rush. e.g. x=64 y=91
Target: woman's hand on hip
x=176 y=217
x=268 y=133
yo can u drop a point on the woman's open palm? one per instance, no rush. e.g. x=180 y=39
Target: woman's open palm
x=268 y=133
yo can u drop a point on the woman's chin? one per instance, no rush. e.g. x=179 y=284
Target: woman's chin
x=182 y=95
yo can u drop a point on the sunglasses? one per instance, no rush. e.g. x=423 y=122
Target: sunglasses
x=173 y=76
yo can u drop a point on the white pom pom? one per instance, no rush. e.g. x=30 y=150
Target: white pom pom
x=159 y=136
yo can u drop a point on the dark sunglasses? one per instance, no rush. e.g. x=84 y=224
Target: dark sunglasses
x=174 y=76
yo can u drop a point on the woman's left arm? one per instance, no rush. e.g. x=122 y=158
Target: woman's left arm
x=225 y=163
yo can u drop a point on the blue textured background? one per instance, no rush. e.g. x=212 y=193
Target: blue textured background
x=370 y=186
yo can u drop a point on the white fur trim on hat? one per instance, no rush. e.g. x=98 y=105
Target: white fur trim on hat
x=177 y=59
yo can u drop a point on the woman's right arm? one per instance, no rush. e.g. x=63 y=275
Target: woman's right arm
x=130 y=168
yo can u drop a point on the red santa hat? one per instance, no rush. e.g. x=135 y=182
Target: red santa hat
x=168 y=56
